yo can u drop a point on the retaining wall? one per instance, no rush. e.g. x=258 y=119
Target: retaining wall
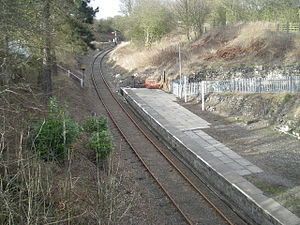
x=240 y=193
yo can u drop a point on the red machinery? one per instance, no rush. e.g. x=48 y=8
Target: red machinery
x=152 y=83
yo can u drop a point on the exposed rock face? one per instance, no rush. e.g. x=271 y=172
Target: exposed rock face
x=247 y=72
x=275 y=109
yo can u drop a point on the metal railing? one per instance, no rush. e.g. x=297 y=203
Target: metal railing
x=70 y=74
x=252 y=85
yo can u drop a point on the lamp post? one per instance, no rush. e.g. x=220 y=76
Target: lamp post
x=180 y=70
x=179 y=59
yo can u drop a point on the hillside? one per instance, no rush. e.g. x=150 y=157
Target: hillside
x=235 y=51
x=239 y=45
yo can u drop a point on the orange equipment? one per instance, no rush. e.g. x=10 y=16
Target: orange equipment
x=152 y=83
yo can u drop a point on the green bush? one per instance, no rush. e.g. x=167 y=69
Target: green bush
x=94 y=124
x=287 y=97
x=101 y=142
x=53 y=135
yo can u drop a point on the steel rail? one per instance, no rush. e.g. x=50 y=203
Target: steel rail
x=104 y=53
x=132 y=147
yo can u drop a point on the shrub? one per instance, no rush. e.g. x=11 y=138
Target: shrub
x=283 y=98
x=101 y=142
x=94 y=124
x=54 y=134
x=287 y=97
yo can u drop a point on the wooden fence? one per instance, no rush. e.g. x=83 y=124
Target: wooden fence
x=288 y=27
x=289 y=84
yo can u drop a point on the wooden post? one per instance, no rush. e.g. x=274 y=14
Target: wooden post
x=291 y=83
x=185 y=89
x=202 y=91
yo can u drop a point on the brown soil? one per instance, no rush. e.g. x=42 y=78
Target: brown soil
x=231 y=53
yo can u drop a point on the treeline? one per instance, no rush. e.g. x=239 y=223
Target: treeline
x=146 y=21
x=33 y=32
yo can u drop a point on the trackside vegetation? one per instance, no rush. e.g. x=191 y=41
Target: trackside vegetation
x=53 y=135
x=100 y=139
x=94 y=124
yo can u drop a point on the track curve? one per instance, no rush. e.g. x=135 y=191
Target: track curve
x=186 y=196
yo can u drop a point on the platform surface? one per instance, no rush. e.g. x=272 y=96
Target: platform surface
x=190 y=124
x=188 y=128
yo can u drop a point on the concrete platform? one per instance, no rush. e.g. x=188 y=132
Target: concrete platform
x=223 y=168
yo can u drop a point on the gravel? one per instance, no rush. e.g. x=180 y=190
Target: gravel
x=278 y=155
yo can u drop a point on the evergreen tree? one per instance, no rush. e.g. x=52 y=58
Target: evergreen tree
x=32 y=31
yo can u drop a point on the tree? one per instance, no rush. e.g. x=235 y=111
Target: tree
x=149 y=21
x=233 y=11
x=191 y=15
x=280 y=10
x=15 y=29
x=35 y=30
x=104 y=26
x=47 y=47
x=126 y=7
x=200 y=10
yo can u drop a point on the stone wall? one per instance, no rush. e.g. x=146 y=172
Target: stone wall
x=246 y=72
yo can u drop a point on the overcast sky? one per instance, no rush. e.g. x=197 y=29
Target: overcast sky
x=107 y=8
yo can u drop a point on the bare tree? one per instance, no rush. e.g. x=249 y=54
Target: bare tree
x=191 y=15
x=126 y=7
x=200 y=10
x=47 y=58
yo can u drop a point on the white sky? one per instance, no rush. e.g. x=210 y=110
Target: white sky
x=107 y=8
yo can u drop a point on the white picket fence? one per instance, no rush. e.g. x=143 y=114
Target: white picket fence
x=70 y=74
x=252 y=85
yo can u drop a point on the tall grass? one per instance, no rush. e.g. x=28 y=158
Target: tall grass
x=35 y=192
x=25 y=188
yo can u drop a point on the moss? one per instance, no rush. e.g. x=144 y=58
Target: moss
x=270 y=190
x=284 y=98
x=227 y=94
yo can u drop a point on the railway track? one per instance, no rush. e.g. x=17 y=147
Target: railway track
x=192 y=199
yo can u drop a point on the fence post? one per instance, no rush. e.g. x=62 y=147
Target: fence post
x=180 y=90
x=202 y=99
x=68 y=73
x=81 y=82
x=185 y=89
x=291 y=84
